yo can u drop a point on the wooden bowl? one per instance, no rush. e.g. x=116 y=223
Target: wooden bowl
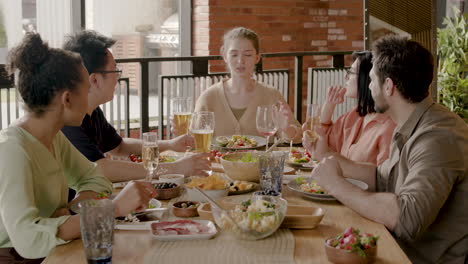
x=166 y=194
x=204 y=211
x=302 y=217
x=179 y=211
x=342 y=256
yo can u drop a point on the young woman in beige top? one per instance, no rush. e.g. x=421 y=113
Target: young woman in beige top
x=235 y=100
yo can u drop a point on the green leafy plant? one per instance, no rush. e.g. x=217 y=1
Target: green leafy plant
x=452 y=49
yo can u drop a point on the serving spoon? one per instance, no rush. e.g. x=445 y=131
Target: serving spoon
x=223 y=212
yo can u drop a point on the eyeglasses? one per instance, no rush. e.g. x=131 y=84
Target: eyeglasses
x=117 y=70
x=349 y=72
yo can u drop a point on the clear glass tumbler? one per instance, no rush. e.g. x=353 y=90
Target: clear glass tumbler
x=97 y=229
x=271 y=166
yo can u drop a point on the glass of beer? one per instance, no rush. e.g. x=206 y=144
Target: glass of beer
x=202 y=127
x=181 y=113
x=150 y=154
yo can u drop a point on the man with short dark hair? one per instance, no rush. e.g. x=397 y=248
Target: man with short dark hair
x=96 y=136
x=422 y=189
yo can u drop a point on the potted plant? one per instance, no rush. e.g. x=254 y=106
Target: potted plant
x=452 y=50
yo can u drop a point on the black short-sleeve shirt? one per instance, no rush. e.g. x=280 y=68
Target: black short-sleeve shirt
x=94 y=137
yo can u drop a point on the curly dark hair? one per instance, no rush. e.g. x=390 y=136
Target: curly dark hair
x=92 y=46
x=43 y=71
x=407 y=63
x=365 y=101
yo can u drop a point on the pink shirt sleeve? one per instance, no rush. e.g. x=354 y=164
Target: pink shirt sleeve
x=335 y=133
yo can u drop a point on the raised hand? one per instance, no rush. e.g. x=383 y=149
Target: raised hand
x=281 y=114
x=60 y=212
x=181 y=143
x=134 y=197
x=315 y=142
x=193 y=164
x=335 y=95
x=327 y=172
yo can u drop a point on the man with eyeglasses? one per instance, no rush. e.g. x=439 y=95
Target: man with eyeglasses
x=96 y=136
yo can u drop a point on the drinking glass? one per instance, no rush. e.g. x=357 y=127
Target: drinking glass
x=150 y=154
x=266 y=125
x=313 y=116
x=97 y=227
x=181 y=112
x=201 y=127
x=271 y=166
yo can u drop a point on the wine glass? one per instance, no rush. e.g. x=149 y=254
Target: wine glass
x=150 y=154
x=313 y=116
x=181 y=112
x=266 y=125
x=282 y=116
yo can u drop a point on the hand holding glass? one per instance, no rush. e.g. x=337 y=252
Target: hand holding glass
x=150 y=154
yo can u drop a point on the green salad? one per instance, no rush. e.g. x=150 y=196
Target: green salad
x=247 y=157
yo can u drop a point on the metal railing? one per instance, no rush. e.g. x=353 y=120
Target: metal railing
x=318 y=81
x=118 y=107
x=200 y=68
x=121 y=105
x=193 y=85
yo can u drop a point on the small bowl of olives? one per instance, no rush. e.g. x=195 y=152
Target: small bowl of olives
x=185 y=208
x=166 y=190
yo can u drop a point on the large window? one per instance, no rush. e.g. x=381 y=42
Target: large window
x=143 y=28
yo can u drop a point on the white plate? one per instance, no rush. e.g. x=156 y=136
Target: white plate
x=134 y=226
x=261 y=142
x=287 y=169
x=293 y=185
x=209 y=224
x=303 y=166
x=156 y=212
x=117 y=185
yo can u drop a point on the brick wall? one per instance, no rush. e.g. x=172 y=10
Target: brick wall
x=283 y=25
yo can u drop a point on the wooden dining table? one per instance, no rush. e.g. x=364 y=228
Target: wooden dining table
x=131 y=246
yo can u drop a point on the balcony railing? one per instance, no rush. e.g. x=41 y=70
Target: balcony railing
x=118 y=110
x=200 y=68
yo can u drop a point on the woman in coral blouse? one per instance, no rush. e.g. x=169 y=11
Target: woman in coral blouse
x=361 y=134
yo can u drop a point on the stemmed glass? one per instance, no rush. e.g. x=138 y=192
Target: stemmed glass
x=150 y=154
x=282 y=116
x=181 y=112
x=313 y=116
x=266 y=125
